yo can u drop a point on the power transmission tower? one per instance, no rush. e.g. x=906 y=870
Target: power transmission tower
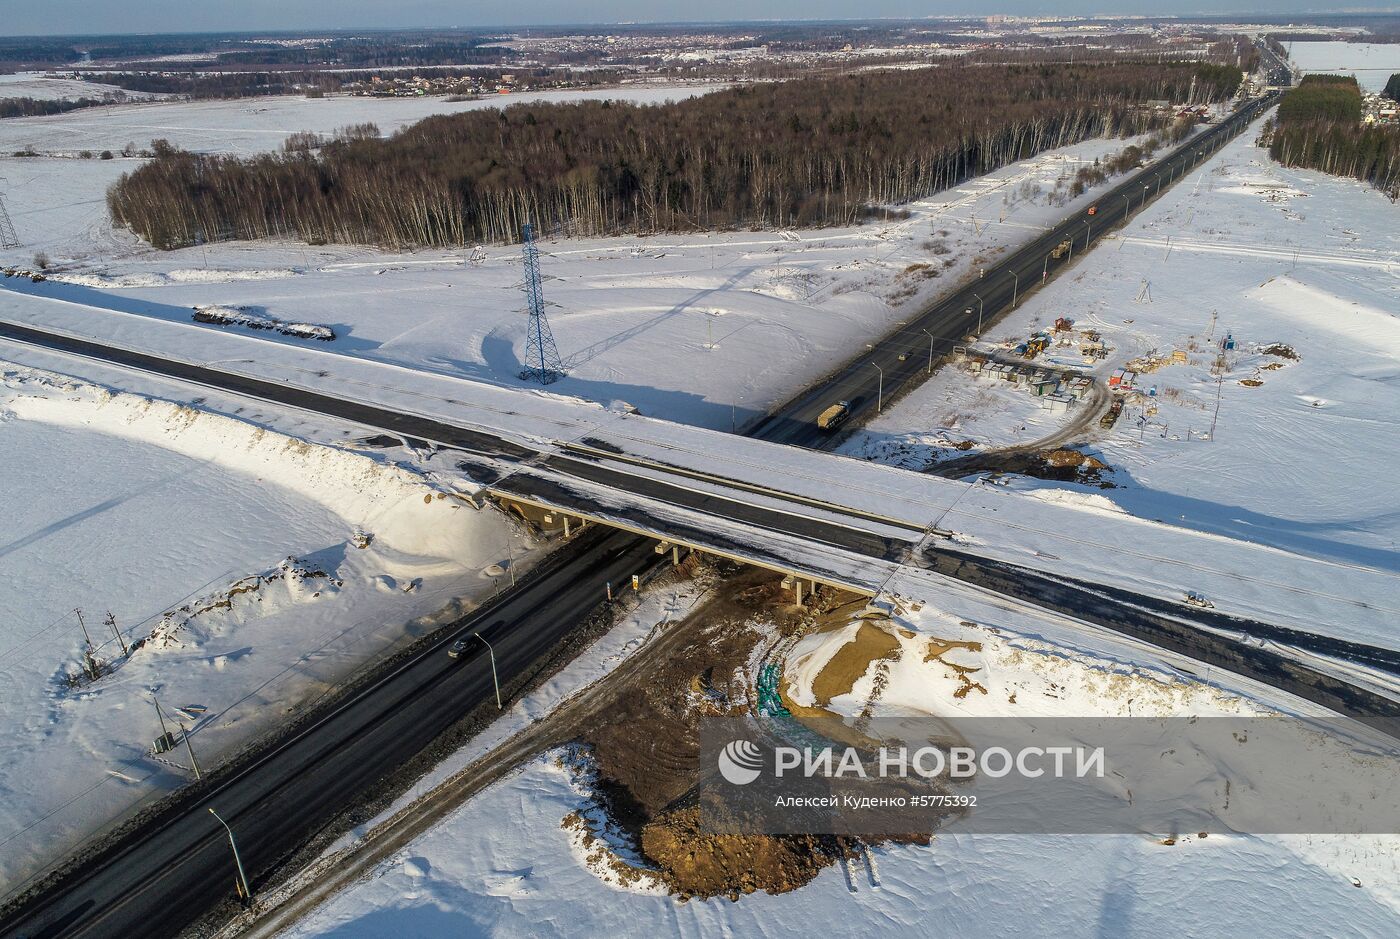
x=542 y=362
x=8 y=238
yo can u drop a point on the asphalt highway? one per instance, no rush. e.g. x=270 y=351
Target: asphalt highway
x=180 y=864
x=880 y=371
x=171 y=869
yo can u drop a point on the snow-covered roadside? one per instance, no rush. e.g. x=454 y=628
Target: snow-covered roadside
x=1300 y=271
x=180 y=522
x=505 y=864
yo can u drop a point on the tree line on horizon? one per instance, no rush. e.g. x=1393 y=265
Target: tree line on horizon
x=1318 y=126
x=806 y=152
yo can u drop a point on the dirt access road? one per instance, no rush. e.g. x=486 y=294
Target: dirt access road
x=1007 y=459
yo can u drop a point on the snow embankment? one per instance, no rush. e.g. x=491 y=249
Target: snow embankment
x=413 y=523
x=248 y=572
x=251 y=318
x=168 y=278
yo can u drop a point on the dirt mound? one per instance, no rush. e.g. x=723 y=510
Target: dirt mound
x=1281 y=351
x=645 y=750
x=852 y=661
x=1065 y=457
x=696 y=864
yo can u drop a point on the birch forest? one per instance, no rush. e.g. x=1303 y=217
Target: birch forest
x=806 y=152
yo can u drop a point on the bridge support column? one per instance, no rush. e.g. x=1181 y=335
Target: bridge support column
x=675 y=555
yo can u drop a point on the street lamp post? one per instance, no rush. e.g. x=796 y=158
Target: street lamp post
x=492 y=652
x=1015 y=288
x=1088 y=234
x=979 y=316
x=880 y=394
x=930 y=345
x=237 y=861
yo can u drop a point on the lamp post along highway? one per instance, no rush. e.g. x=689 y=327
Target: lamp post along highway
x=880 y=393
x=492 y=653
x=979 y=316
x=237 y=861
x=1015 y=289
x=930 y=345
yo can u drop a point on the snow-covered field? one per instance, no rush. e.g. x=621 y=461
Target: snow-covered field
x=255 y=125
x=708 y=330
x=705 y=329
x=48 y=87
x=231 y=551
x=1279 y=260
x=1371 y=62
x=1283 y=257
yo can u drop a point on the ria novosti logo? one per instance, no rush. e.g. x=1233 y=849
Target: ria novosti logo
x=740 y=762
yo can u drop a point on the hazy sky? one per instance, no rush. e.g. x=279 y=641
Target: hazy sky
x=50 y=17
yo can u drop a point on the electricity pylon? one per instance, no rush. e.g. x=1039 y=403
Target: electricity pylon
x=542 y=362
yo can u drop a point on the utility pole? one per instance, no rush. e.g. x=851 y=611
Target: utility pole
x=160 y=715
x=84 y=626
x=880 y=395
x=90 y=664
x=189 y=747
x=930 y=345
x=244 y=890
x=492 y=653
x=1219 y=381
x=121 y=640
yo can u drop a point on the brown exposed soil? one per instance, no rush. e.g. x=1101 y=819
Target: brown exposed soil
x=645 y=748
x=852 y=661
x=696 y=864
x=1064 y=464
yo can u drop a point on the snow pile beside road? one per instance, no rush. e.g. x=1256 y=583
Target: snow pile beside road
x=412 y=522
x=165 y=278
x=245 y=316
x=249 y=572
